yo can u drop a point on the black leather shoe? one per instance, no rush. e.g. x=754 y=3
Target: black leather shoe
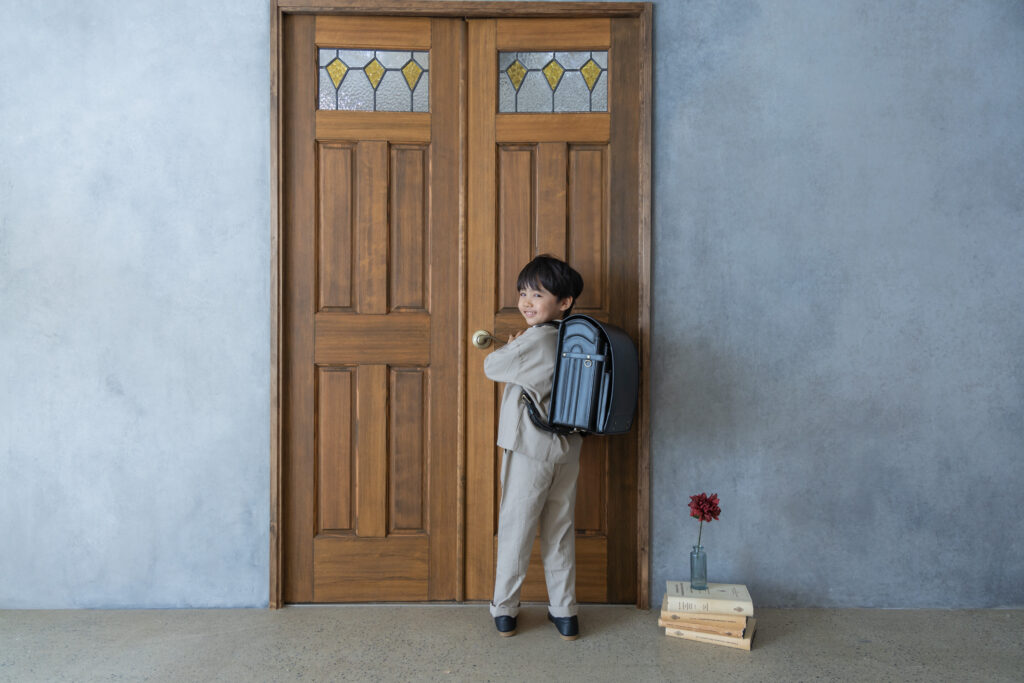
x=568 y=627
x=506 y=625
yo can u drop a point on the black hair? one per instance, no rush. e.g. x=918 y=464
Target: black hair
x=554 y=275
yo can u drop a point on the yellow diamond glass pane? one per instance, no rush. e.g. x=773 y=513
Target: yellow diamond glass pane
x=336 y=70
x=591 y=71
x=374 y=72
x=412 y=72
x=553 y=72
x=516 y=73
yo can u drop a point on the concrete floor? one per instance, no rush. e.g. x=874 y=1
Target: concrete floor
x=459 y=643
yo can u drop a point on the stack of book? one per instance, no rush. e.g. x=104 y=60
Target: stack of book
x=722 y=615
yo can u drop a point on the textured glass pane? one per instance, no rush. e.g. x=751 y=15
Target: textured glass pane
x=572 y=93
x=536 y=60
x=505 y=59
x=355 y=93
x=572 y=60
x=326 y=56
x=355 y=59
x=601 y=58
x=381 y=80
x=421 y=97
x=599 y=97
x=506 y=94
x=534 y=93
x=393 y=93
x=328 y=95
x=393 y=59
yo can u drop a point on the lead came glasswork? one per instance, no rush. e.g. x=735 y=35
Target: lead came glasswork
x=553 y=82
x=374 y=80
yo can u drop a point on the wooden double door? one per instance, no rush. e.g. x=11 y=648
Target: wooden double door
x=405 y=217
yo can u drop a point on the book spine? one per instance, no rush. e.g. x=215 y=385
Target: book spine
x=705 y=606
x=703 y=627
x=737 y=643
x=705 y=617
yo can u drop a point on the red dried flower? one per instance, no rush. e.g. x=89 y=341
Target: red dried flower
x=705 y=508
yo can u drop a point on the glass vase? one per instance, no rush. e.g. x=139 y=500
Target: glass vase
x=698 y=568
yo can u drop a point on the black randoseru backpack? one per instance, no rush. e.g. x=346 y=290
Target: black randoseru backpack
x=594 y=389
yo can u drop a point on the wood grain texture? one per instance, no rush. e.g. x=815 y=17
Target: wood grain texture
x=410 y=33
x=334 y=449
x=550 y=192
x=351 y=569
x=396 y=338
x=623 y=280
x=554 y=34
x=446 y=409
x=335 y=180
x=393 y=126
x=275 y=598
x=588 y=222
x=298 y=302
x=591 y=491
x=480 y=265
x=645 y=20
x=371 y=450
x=372 y=227
x=408 y=211
x=407 y=449
x=587 y=127
x=447 y=560
x=474 y=9
x=515 y=219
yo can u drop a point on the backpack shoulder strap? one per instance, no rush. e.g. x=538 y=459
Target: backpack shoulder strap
x=540 y=423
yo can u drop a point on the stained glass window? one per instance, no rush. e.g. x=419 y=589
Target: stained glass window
x=552 y=81
x=374 y=80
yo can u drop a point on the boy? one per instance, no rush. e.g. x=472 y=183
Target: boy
x=539 y=468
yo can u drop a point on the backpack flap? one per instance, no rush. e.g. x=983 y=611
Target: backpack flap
x=595 y=381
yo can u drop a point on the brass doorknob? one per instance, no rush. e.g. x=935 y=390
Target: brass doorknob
x=482 y=339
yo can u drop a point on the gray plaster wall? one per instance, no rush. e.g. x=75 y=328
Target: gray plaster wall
x=837 y=334
x=134 y=303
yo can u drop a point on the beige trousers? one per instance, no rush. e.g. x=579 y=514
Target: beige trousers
x=536 y=492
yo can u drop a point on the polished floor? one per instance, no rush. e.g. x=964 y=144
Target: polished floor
x=459 y=643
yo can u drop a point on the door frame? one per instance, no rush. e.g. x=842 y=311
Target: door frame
x=444 y=8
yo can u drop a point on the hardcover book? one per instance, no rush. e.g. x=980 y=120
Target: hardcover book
x=733 y=621
x=719 y=598
x=742 y=643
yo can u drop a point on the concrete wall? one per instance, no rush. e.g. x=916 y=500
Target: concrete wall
x=134 y=303
x=837 y=330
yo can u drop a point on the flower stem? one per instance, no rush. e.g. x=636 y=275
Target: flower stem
x=700 y=530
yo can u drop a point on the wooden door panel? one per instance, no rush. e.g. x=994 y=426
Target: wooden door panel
x=351 y=569
x=401 y=338
x=545 y=34
x=373 y=335
x=391 y=253
x=408 y=391
x=514 y=128
x=373 y=125
x=588 y=222
x=336 y=267
x=336 y=418
x=409 y=287
x=547 y=183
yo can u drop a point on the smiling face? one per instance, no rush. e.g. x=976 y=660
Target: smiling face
x=541 y=306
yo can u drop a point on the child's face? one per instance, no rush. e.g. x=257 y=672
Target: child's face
x=541 y=306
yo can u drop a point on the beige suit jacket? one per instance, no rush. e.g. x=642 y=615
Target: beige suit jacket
x=526 y=364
